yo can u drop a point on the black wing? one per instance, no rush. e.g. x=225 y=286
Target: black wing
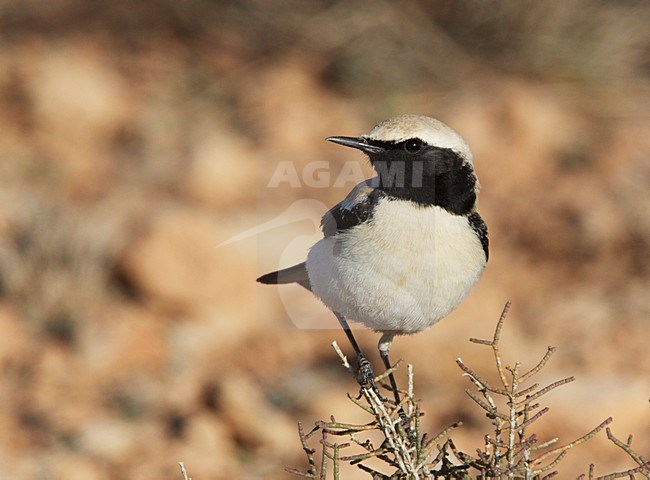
x=357 y=208
x=479 y=226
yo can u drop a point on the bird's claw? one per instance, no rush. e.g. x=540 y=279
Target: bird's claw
x=405 y=422
x=366 y=377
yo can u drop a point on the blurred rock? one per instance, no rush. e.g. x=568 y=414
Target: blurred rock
x=222 y=170
x=125 y=341
x=176 y=261
x=15 y=340
x=72 y=467
x=208 y=450
x=76 y=92
x=110 y=439
x=252 y=419
x=79 y=101
x=295 y=112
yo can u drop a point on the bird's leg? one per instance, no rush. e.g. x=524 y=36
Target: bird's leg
x=365 y=375
x=385 y=343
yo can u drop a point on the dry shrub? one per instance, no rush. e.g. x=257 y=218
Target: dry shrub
x=511 y=449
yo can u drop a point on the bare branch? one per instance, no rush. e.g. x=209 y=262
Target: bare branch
x=542 y=363
x=573 y=444
x=344 y=359
x=545 y=390
x=183 y=471
x=626 y=447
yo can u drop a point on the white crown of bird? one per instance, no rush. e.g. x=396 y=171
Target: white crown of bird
x=427 y=129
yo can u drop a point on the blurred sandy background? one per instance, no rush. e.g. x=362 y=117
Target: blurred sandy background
x=135 y=137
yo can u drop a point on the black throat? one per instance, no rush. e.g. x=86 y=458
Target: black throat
x=435 y=176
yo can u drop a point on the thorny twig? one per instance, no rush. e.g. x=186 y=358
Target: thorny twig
x=509 y=451
x=183 y=471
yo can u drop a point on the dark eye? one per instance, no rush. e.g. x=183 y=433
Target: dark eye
x=413 y=146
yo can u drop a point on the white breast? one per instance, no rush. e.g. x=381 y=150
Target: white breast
x=403 y=271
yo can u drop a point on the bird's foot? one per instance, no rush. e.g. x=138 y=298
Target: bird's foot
x=366 y=377
x=405 y=422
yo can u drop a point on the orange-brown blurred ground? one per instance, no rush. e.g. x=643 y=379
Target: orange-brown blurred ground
x=135 y=138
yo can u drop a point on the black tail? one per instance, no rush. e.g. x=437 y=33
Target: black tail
x=296 y=274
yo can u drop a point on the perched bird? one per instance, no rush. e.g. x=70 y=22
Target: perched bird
x=404 y=248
